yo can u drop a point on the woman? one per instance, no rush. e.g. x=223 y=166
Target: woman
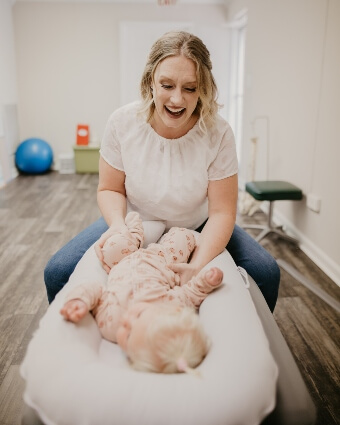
x=171 y=157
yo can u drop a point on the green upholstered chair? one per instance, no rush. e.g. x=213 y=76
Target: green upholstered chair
x=272 y=191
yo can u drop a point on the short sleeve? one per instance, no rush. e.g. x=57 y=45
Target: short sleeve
x=225 y=163
x=110 y=146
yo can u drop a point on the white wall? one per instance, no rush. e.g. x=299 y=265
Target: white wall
x=69 y=72
x=292 y=103
x=8 y=90
x=68 y=57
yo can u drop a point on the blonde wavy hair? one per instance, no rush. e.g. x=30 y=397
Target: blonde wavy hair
x=177 y=43
x=175 y=342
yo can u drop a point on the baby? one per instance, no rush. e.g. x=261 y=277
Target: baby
x=143 y=307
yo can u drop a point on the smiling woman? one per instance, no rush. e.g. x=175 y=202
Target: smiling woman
x=175 y=97
x=171 y=157
x=186 y=58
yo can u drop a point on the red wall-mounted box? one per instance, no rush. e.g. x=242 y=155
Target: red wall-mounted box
x=82 y=134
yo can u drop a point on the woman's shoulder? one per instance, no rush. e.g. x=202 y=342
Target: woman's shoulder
x=221 y=124
x=126 y=113
x=220 y=130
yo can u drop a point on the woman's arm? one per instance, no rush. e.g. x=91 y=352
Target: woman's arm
x=222 y=198
x=111 y=194
x=111 y=199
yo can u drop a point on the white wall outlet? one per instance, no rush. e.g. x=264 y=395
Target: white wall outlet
x=313 y=202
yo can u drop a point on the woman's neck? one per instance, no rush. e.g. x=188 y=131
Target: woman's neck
x=171 y=132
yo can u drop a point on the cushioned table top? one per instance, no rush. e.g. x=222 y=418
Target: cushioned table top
x=73 y=376
x=273 y=191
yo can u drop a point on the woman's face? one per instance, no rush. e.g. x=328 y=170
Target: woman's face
x=175 y=95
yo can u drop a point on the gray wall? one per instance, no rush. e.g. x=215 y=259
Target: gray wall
x=292 y=106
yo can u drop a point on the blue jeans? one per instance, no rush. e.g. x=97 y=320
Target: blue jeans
x=246 y=252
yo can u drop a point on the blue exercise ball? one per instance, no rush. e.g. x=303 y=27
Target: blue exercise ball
x=34 y=156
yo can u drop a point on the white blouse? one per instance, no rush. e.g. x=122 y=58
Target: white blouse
x=167 y=179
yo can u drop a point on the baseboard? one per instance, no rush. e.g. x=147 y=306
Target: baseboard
x=326 y=264
x=319 y=257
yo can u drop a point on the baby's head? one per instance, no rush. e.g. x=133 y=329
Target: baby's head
x=161 y=338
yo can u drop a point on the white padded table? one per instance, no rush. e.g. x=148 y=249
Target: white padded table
x=73 y=376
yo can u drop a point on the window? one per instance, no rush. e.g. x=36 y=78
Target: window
x=236 y=92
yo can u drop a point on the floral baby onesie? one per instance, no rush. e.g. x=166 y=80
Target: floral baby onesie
x=141 y=275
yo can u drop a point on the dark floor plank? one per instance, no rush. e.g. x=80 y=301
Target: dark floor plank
x=309 y=325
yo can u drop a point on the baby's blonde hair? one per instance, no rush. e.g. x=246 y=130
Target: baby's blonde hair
x=175 y=342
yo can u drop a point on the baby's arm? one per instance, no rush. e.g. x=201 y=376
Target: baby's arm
x=124 y=243
x=80 y=300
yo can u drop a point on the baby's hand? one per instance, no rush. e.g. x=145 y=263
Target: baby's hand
x=98 y=247
x=74 y=310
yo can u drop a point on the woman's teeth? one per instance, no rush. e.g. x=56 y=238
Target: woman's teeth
x=175 y=112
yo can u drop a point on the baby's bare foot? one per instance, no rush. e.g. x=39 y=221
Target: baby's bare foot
x=214 y=276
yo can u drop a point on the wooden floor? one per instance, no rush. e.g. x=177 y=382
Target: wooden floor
x=39 y=214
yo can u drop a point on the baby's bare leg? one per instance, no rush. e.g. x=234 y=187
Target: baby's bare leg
x=74 y=310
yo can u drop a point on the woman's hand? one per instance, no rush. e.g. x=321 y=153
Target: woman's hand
x=101 y=242
x=185 y=271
